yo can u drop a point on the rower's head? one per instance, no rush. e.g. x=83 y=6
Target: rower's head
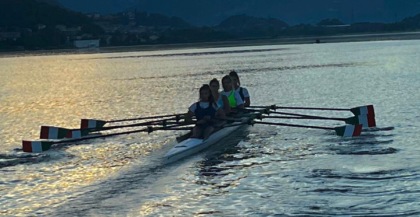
x=205 y=93
x=227 y=83
x=235 y=79
x=214 y=85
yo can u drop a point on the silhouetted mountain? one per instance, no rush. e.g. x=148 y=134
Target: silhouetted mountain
x=100 y=6
x=158 y=20
x=28 y=13
x=51 y=2
x=411 y=22
x=31 y=24
x=212 y=12
x=248 y=26
x=330 y=22
x=245 y=21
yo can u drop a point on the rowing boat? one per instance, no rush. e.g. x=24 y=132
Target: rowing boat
x=186 y=146
x=189 y=146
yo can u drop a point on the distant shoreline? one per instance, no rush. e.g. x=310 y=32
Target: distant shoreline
x=250 y=42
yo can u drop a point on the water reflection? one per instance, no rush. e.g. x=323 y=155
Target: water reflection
x=198 y=53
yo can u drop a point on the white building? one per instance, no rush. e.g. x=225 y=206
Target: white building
x=94 y=43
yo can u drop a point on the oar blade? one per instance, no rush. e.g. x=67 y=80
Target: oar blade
x=363 y=110
x=50 y=132
x=367 y=121
x=36 y=146
x=349 y=130
x=76 y=134
x=92 y=124
x=371 y=121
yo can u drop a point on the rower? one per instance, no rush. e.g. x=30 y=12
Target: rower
x=205 y=112
x=230 y=98
x=243 y=92
x=214 y=86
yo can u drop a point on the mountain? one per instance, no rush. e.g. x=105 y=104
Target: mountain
x=251 y=27
x=212 y=12
x=51 y=2
x=99 y=6
x=245 y=21
x=34 y=24
x=28 y=13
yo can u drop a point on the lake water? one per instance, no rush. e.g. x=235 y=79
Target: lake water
x=260 y=171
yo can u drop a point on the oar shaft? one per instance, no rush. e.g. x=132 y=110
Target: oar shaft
x=294 y=125
x=312 y=108
x=303 y=116
x=178 y=116
x=148 y=129
x=303 y=108
x=156 y=122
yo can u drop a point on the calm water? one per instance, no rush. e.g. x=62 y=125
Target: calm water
x=260 y=171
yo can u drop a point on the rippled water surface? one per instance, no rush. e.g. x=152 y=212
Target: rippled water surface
x=259 y=171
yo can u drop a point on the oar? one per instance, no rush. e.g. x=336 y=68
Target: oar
x=51 y=132
x=344 y=131
x=43 y=145
x=366 y=121
x=94 y=123
x=360 y=110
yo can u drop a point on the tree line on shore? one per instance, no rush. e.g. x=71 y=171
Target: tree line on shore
x=32 y=25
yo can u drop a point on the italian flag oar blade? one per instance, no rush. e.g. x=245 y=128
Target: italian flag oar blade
x=50 y=132
x=36 y=146
x=77 y=133
x=349 y=130
x=363 y=110
x=92 y=124
x=366 y=121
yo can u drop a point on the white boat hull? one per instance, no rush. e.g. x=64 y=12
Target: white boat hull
x=191 y=146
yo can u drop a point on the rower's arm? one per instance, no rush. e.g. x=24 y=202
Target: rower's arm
x=188 y=116
x=247 y=102
x=226 y=106
x=220 y=114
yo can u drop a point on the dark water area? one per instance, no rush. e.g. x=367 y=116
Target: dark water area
x=258 y=171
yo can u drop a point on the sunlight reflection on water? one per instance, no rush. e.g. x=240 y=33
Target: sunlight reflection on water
x=274 y=171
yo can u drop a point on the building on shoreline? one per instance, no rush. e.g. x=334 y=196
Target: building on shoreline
x=92 y=43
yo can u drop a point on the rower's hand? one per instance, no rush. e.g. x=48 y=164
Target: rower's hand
x=188 y=120
x=204 y=120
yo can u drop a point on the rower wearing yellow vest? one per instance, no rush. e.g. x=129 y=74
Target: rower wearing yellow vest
x=230 y=98
x=243 y=92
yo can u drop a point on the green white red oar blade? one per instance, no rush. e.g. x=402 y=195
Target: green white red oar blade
x=349 y=130
x=36 y=146
x=50 y=132
x=363 y=110
x=92 y=124
x=77 y=133
x=366 y=121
